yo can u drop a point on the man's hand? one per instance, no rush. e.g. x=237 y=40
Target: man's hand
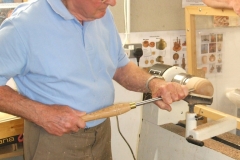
x=55 y=119
x=169 y=91
x=235 y=4
x=231 y=4
x=58 y=119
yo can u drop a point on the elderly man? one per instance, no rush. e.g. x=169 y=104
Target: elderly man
x=63 y=56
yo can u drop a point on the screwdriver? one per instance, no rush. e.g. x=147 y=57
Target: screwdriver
x=118 y=109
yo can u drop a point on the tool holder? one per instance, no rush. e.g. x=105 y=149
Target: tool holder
x=192 y=118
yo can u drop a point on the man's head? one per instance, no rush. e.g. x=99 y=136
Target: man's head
x=87 y=10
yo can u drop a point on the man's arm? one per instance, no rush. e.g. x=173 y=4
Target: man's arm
x=231 y=4
x=217 y=3
x=134 y=78
x=55 y=119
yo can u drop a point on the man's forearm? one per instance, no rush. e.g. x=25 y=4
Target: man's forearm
x=13 y=103
x=134 y=78
x=55 y=119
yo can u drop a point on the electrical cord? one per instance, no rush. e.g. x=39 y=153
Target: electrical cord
x=124 y=138
x=127 y=31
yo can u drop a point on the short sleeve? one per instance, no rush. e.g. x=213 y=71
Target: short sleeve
x=12 y=52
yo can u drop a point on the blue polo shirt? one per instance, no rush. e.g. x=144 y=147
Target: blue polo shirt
x=54 y=59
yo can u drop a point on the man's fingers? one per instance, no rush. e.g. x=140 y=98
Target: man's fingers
x=185 y=90
x=80 y=114
x=163 y=105
x=81 y=123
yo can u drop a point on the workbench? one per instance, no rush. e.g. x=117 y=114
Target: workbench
x=10 y=136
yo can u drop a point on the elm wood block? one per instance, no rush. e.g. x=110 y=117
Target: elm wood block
x=202 y=86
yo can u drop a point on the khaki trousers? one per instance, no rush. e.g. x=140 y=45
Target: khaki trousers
x=87 y=144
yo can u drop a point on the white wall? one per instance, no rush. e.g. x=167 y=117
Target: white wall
x=230 y=77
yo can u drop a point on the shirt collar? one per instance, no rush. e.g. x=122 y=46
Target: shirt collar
x=60 y=9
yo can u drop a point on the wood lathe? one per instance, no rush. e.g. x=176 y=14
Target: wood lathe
x=166 y=135
x=201 y=92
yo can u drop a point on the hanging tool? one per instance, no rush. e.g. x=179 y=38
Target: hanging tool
x=121 y=108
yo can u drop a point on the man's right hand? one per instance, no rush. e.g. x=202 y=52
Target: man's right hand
x=59 y=119
x=55 y=119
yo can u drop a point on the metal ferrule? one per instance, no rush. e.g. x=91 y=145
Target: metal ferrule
x=132 y=105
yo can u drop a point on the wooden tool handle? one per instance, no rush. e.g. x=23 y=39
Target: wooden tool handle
x=110 y=111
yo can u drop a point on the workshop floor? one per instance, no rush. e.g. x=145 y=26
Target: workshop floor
x=14 y=158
